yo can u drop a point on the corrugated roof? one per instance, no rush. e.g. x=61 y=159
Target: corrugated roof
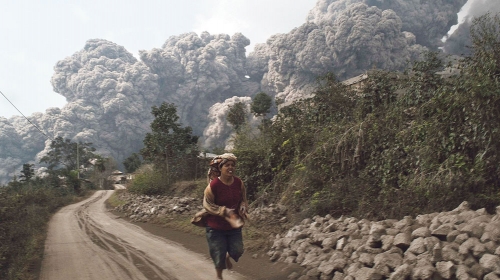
x=355 y=80
x=206 y=155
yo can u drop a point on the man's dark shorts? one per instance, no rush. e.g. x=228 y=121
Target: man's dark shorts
x=221 y=242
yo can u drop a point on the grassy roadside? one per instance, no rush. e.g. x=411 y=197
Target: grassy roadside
x=179 y=222
x=256 y=234
x=24 y=217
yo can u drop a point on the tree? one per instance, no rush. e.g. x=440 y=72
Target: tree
x=66 y=157
x=103 y=167
x=236 y=115
x=27 y=172
x=132 y=163
x=169 y=145
x=261 y=104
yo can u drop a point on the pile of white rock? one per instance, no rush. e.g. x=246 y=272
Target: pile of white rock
x=459 y=244
x=143 y=208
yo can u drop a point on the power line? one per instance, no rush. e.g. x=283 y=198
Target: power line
x=38 y=127
x=25 y=117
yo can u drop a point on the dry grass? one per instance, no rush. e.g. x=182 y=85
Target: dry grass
x=179 y=222
x=257 y=235
x=189 y=188
x=114 y=200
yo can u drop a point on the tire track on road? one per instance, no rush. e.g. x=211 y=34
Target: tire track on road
x=85 y=242
x=122 y=253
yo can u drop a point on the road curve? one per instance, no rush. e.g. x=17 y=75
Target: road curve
x=84 y=241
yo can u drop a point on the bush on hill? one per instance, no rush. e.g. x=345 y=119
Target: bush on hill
x=402 y=143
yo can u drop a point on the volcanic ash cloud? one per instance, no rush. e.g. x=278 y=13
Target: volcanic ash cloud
x=197 y=71
x=109 y=94
x=219 y=130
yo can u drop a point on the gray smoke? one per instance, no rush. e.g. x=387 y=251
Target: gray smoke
x=348 y=42
x=109 y=96
x=195 y=72
x=9 y=149
x=110 y=93
x=427 y=20
x=219 y=131
x=457 y=40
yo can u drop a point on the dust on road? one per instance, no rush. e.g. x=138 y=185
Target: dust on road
x=84 y=241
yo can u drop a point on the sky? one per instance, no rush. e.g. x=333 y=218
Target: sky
x=35 y=34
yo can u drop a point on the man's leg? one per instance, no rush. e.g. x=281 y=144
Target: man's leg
x=235 y=244
x=217 y=246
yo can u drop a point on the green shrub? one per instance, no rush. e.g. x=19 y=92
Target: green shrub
x=399 y=144
x=148 y=181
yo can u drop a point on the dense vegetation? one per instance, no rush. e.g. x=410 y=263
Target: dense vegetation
x=24 y=213
x=27 y=204
x=395 y=144
x=170 y=153
x=400 y=144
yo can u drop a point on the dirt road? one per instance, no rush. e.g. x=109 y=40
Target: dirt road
x=86 y=242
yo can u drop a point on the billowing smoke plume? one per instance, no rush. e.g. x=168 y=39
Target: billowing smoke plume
x=197 y=71
x=109 y=96
x=9 y=149
x=350 y=42
x=457 y=40
x=218 y=131
x=427 y=20
x=110 y=93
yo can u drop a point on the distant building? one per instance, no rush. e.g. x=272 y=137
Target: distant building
x=130 y=176
x=204 y=155
x=356 y=82
x=117 y=177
